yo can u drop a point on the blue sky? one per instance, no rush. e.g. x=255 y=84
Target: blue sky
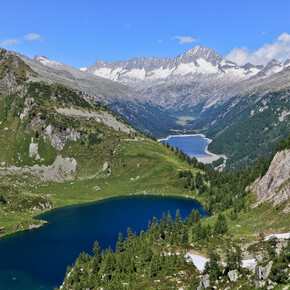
x=79 y=32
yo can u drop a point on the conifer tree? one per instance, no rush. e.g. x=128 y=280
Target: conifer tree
x=221 y=226
x=97 y=252
x=212 y=267
x=169 y=222
x=120 y=244
x=177 y=217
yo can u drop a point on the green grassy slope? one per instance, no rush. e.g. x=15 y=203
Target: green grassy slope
x=117 y=161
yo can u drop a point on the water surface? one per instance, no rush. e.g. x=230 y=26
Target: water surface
x=193 y=146
x=38 y=259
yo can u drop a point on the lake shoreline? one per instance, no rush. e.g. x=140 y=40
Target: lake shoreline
x=185 y=135
x=124 y=195
x=44 y=222
x=206 y=159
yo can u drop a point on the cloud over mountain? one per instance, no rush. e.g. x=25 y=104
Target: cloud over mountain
x=279 y=50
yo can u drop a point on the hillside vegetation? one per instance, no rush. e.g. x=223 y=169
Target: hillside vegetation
x=250 y=128
x=59 y=147
x=160 y=257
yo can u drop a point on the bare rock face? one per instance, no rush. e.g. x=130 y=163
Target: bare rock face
x=62 y=169
x=274 y=186
x=205 y=282
x=59 y=139
x=262 y=273
x=33 y=150
x=233 y=275
x=101 y=116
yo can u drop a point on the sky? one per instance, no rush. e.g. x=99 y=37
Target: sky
x=80 y=32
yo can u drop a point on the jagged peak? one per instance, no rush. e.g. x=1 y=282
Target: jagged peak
x=37 y=57
x=248 y=66
x=272 y=63
x=201 y=52
x=98 y=61
x=201 y=48
x=287 y=62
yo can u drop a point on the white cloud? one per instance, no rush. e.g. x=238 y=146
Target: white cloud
x=159 y=40
x=184 y=39
x=10 y=41
x=31 y=36
x=279 y=50
x=15 y=41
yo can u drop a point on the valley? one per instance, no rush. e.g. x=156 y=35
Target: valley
x=71 y=137
x=196 y=92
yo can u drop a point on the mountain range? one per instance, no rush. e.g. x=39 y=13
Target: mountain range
x=134 y=107
x=196 y=92
x=198 y=75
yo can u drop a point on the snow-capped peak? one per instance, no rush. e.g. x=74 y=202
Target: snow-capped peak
x=198 y=63
x=45 y=61
x=203 y=52
x=273 y=63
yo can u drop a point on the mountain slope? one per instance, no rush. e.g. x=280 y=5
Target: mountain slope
x=217 y=252
x=223 y=102
x=60 y=147
x=200 y=75
x=249 y=126
x=134 y=107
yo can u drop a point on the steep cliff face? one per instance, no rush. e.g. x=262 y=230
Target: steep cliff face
x=274 y=186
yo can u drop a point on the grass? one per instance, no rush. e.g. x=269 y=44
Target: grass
x=140 y=167
x=137 y=165
x=250 y=223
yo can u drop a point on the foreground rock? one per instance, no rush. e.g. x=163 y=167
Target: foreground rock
x=274 y=186
x=205 y=282
x=262 y=273
x=61 y=169
x=233 y=275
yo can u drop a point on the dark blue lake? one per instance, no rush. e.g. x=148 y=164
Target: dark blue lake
x=193 y=146
x=38 y=259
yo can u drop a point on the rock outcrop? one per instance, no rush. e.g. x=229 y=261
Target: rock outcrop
x=233 y=275
x=101 y=116
x=59 y=139
x=33 y=150
x=62 y=169
x=274 y=186
x=262 y=273
x=204 y=283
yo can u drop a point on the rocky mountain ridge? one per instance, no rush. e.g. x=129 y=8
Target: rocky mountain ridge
x=196 y=62
x=133 y=107
x=200 y=75
x=197 y=81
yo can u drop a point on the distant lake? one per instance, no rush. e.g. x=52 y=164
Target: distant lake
x=193 y=146
x=38 y=259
